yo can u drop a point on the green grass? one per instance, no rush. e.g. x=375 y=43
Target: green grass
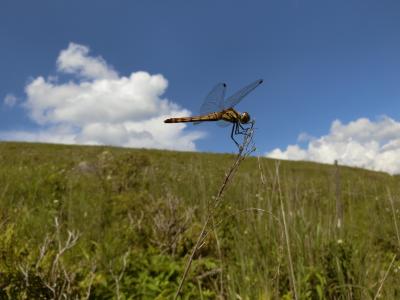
x=136 y=214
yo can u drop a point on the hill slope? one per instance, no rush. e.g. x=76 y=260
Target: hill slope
x=102 y=222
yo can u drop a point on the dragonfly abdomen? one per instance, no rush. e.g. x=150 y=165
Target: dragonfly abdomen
x=210 y=117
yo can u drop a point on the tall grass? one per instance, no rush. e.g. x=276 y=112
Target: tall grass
x=137 y=213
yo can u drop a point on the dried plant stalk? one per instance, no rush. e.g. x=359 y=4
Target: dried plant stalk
x=245 y=149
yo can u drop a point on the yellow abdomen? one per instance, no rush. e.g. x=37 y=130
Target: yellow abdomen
x=210 y=117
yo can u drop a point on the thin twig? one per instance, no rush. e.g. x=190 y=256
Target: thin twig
x=384 y=277
x=245 y=149
x=189 y=263
x=293 y=281
x=221 y=281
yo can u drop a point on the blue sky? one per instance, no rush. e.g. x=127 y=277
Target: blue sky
x=321 y=61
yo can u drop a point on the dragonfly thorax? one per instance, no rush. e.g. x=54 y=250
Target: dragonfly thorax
x=244 y=118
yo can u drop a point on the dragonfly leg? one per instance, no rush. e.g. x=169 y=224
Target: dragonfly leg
x=240 y=129
x=234 y=131
x=241 y=126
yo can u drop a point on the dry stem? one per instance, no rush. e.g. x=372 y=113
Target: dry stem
x=384 y=278
x=245 y=149
x=292 y=277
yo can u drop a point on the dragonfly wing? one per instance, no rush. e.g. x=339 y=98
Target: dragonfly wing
x=214 y=101
x=222 y=123
x=237 y=97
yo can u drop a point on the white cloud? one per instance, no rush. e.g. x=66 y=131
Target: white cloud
x=76 y=60
x=363 y=143
x=10 y=100
x=101 y=107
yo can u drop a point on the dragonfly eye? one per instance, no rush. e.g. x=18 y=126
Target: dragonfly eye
x=245 y=118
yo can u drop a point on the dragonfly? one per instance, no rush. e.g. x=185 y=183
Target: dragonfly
x=218 y=109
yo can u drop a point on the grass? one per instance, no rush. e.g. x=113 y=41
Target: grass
x=102 y=222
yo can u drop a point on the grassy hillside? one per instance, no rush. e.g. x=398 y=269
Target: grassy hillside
x=102 y=223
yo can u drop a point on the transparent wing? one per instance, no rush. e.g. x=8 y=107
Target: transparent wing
x=214 y=101
x=237 y=97
x=223 y=123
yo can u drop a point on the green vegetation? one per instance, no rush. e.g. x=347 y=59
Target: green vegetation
x=101 y=223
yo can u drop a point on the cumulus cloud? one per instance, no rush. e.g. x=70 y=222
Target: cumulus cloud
x=362 y=143
x=101 y=107
x=10 y=100
x=76 y=60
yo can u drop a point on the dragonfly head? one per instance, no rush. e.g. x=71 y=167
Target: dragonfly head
x=244 y=118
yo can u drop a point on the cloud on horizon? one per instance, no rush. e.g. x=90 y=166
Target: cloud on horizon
x=373 y=145
x=101 y=107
